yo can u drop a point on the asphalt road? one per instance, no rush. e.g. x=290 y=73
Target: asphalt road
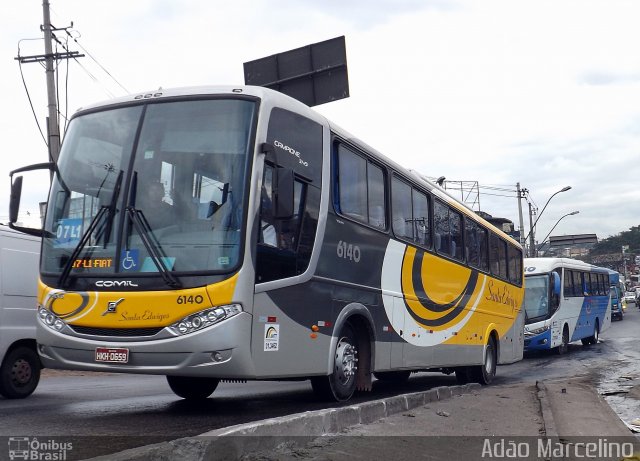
x=110 y=412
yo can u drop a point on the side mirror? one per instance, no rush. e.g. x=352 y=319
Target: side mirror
x=16 y=195
x=14 y=199
x=284 y=194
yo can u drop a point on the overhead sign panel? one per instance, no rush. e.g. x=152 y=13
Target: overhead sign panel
x=313 y=74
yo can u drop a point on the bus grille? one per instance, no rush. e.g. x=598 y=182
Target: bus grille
x=121 y=332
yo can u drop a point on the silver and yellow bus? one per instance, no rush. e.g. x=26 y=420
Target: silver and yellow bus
x=233 y=233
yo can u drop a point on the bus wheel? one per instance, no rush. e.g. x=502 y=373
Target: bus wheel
x=393 y=376
x=19 y=373
x=593 y=339
x=564 y=347
x=341 y=384
x=192 y=388
x=485 y=373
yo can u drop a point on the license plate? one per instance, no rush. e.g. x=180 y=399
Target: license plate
x=112 y=354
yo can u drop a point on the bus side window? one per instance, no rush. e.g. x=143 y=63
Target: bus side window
x=498 y=256
x=568 y=283
x=577 y=283
x=421 y=229
x=402 y=209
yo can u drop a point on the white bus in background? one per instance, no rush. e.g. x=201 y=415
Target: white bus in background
x=565 y=300
x=19 y=362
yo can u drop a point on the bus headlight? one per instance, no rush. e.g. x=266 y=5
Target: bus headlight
x=50 y=319
x=204 y=319
x=536 y=331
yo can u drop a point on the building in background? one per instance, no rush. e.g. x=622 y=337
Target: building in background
x=569 y=246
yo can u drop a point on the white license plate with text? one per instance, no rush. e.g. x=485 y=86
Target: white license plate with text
x=112 y=354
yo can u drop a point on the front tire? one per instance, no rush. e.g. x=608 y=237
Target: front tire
x=563 y=348
x=20 y=373
x=341 y=383
x=485 y=373
x=192 y=388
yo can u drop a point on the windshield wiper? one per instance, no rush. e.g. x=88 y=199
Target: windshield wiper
x=107 y=227
x=152 y=245
x=105 y=230
x=64 y=276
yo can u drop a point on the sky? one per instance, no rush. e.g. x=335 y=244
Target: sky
x=544 y=93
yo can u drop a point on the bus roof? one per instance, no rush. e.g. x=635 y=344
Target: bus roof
x=543 y=265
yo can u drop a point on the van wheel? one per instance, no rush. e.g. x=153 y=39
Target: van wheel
x=341 y=383
x=485 y=373
x=19 y=373
x=192 y=388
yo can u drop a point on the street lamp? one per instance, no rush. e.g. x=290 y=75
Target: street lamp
x=533 y=226
x=554 y=226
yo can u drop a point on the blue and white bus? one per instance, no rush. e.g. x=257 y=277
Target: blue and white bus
x=617 y=290
x=565 y=300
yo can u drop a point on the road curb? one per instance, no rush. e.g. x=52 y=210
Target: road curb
x=545 y=408
x=297 y=429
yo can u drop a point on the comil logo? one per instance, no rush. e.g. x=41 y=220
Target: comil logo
x=30 y=448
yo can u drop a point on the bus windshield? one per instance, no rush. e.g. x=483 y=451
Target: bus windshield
x=536 y=297
x=150 y=188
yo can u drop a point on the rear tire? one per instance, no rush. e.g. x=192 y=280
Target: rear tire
x=192 y=388
x=593 y=339
x=20 y=373
x=341 y=383
x=485 y=373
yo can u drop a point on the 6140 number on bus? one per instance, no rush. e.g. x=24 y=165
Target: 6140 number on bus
x=348 y=251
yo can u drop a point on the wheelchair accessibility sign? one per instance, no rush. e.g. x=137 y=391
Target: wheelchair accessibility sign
x=129 y=260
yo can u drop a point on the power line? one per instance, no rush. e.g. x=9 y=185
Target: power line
x=26 y=89
x=91 y=76
x=75 y=34
x=95 y=60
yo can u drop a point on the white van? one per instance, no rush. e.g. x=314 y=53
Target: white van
x=20 y=364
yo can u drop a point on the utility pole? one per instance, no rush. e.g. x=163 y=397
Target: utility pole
x=520 y=193
x=53 y=128
x=49 y=58
x=532 y=246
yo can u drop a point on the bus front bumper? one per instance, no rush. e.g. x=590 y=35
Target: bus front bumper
x=540 y=341
x=220 y=351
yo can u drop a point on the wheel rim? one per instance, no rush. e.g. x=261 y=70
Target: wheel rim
x=21 y=372
x=346 y=361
